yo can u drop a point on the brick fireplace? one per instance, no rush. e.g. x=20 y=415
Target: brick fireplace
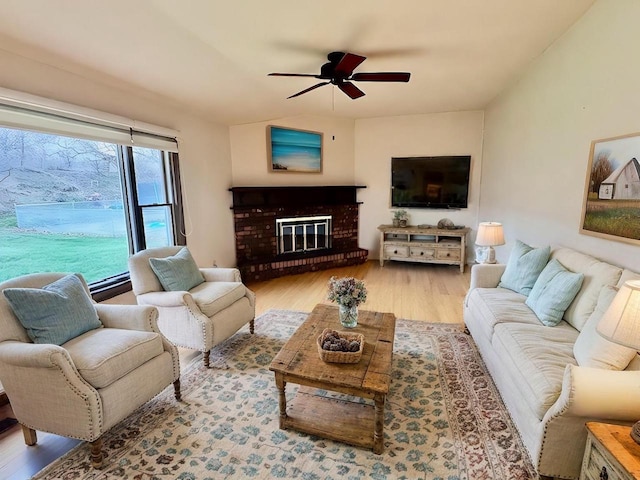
x=259 y=213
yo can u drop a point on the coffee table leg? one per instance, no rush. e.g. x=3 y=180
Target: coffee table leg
x=378 y=436
x=282 y=400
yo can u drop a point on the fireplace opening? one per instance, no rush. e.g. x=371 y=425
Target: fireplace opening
x=303 y=234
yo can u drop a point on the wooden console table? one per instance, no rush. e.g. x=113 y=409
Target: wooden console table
x=423 y=244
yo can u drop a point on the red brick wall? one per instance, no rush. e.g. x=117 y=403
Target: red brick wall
x=256 y=249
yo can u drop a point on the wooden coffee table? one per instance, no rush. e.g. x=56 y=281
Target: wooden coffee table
x=346 y=421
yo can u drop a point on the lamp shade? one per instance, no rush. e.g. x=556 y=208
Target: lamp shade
x=621 y=321
x=490 y=234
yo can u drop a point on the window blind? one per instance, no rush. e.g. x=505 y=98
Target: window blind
x=27 y=112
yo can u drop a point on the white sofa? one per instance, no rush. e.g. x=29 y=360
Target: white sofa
x=551 y=395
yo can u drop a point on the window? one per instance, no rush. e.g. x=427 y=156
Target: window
x=77 y=205
x=153 y=196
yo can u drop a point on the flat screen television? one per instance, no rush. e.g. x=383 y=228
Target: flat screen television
x=430 y=182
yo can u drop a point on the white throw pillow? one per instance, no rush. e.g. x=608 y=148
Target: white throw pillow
x=592 y=349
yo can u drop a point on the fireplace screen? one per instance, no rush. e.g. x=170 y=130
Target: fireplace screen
x=302 y=234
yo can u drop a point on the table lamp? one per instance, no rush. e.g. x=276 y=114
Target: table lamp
x=621 y=324
x=490 y=234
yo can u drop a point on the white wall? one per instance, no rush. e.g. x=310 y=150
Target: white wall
x=538 y=133
x=379 y=139
x=249 y=153
x=204 y=147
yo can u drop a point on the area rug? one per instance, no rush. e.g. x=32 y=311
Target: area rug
x=444 y=419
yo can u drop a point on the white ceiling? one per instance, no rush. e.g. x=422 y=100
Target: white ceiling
x=213 y=56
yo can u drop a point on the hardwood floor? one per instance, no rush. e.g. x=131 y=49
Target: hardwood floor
x=431 y=293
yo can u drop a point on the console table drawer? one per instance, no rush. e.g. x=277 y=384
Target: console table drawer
x=422 y=252
x=396 y=251
x=610 y=453
x=448 y=254
x=599 y=466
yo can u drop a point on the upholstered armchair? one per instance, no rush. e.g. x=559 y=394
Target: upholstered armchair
x=200 y=317
x=83 y=386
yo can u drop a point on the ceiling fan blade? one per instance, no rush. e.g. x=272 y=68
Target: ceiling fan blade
x=309 y=89
x=293 y=75
x=348 y=63
x=351 y=90
x=381 y=77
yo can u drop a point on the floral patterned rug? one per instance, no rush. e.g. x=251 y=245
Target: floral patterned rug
x=444 y=419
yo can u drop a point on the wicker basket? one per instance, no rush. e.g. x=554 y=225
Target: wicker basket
x=341 y=357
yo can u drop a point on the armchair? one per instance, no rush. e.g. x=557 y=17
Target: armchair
x=201 y=317
x=86 y=385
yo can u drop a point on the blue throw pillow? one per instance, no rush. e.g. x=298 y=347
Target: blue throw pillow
x=178 y=272
x=55 y=313
x=553 y=292
x=523 y=267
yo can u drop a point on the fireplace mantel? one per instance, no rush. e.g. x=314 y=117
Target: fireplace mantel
x=252 y=197
x=255 y=210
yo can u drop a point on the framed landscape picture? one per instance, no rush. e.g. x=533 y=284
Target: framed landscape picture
x=290 y=150
x=611 y=206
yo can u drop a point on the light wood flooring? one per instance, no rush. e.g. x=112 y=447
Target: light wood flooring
x=432 y=293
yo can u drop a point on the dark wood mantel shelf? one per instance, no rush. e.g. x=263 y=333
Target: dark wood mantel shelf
x=252 y=197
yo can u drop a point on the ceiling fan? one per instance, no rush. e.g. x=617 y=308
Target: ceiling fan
x=339 y=72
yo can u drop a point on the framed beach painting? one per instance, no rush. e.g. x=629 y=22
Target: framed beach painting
x=290 y=150
x=611 y=206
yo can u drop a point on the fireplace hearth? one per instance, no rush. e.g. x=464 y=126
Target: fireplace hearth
x=288 y=230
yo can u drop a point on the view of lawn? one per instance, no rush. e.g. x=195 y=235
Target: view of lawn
x=92 y=256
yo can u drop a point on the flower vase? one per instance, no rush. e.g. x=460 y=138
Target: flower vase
x=348 y=315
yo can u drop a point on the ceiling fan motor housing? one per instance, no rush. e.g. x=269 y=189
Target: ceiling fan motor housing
x=327 y=71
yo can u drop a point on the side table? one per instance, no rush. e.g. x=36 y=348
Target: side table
x=610 y=454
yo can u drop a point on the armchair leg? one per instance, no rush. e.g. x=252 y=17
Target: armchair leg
x=252 y=326
x=96 y=453
x=176 y=389
x=30 y=436
x=206 y=356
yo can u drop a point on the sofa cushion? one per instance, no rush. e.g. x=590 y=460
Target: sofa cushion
x=178 y=272
x=597 y=274
x=105 y=355
x=56 y=312
x=499 y=305
x=535 y=357
x=553 y=292
x=524 y=265
x=592 y=349
x=213 y=297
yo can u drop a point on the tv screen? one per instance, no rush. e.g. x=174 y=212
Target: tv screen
x=430 y=182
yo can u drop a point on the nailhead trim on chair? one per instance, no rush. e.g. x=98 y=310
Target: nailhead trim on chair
x=152 y=320
x=250 y=296
x=79 y=393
